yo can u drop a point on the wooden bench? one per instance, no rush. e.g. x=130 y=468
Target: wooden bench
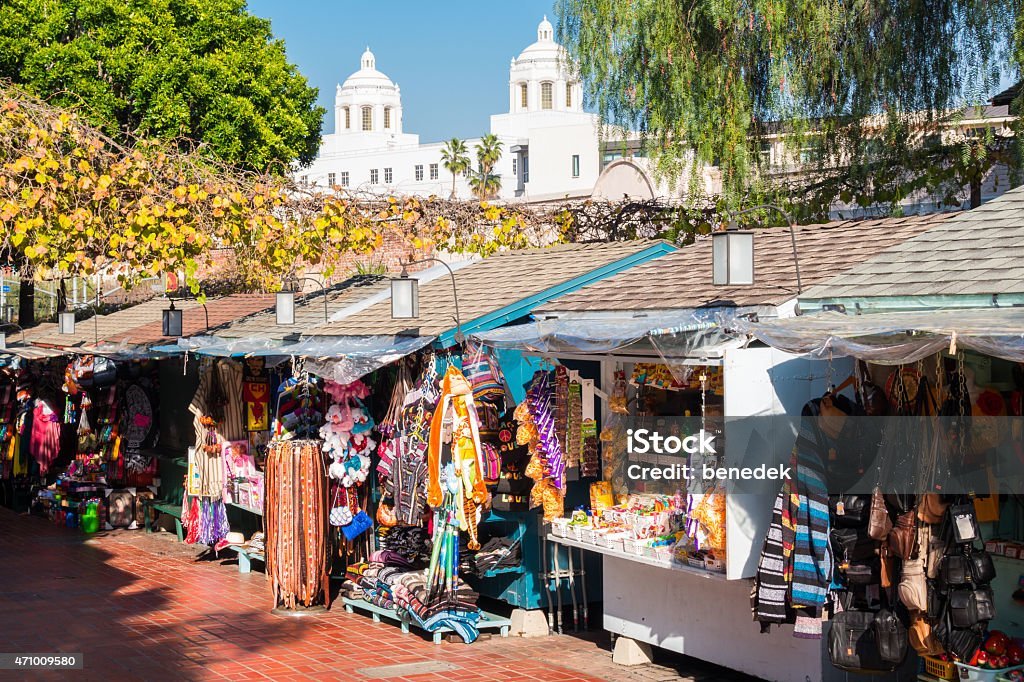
x=488 y=621
x=246 y=557
x=162 y=507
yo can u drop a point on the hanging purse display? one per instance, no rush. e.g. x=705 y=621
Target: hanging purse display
x=879 y=522
x=849 y=544
x=983 y=570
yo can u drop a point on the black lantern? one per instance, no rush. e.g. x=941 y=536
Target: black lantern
x=172 y=321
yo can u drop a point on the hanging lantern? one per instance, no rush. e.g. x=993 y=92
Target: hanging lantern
x=285 y=307
x=172 y=321
x=66 y=322
x=405 y=297
x=732 y=257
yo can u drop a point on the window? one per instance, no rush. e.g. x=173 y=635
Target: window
x=515 y=167
x=765 y=153
x=546 y=90
x=374 y=177
x=433 y=171
x=568 y=95
x=367 y=118
x=575 y=165
x=526 y=169
x=419 y=172
x=344 y=178
x=348 y=118
x=524 y=98
x=305 y=179
x=387 y=118
x=330 y=179
x=388 y=177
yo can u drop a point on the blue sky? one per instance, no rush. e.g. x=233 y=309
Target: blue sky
x=450 y=58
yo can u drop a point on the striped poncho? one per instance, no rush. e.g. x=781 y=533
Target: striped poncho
x=795 y=566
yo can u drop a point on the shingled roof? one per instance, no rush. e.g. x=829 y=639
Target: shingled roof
x=976 y=252
x=309 y=311
x=489 y=286
x=683 y=279
x=142 y=324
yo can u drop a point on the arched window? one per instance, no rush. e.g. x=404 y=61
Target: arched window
x=348 y=118
x=387 y=118
x=367 y=118
x=546 y=98
x=568 y=95
x=524 y=99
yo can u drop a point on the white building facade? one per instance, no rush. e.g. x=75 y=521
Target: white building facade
x=551 y=148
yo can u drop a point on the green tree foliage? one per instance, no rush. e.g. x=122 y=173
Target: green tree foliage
x=485 y=183
x=862 y=82
x=204 y=72
x=455 y=158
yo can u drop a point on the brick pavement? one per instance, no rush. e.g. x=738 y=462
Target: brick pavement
x=142 y=607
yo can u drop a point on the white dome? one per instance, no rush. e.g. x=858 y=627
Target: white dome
x=368 y=75
x=545 y=45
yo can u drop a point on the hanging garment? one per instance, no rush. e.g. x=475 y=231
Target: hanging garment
x=457 y=409
x=44 y=444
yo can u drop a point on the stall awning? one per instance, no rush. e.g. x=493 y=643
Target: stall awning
x=897 y=337
x=340 y=358
x=676 y=333
x=19 y=352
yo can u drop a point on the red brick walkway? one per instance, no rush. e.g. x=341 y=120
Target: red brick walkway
x=140 y=607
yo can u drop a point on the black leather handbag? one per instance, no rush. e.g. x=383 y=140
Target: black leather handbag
x=891 y=636
x=853 y=642
x=849 y=511
x=969 y=607
x=852 y=544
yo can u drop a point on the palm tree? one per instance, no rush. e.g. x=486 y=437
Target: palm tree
x=456 y=159
x=485 y=183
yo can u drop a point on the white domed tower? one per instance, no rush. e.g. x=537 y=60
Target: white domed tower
x=543 y=77
x=368 y=107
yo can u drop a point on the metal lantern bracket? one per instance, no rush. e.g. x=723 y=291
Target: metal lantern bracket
x=733 y=215
x=291 y=286
x=459 y=338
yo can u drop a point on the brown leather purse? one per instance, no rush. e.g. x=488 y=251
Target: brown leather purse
x=931 y=508
x=879 y=522
x=903 y=536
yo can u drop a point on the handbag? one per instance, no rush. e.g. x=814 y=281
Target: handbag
x=849 y=544
x=982 y=570
x=954 y=570
x=879 y=522
x=903 y=535
x=483 y=373
x=963 y=523
x=853 y=643
x=971 y=606
x=492 y=464
x=361 y=522
x=890 y=636
x=849 y=511
x=931 y=508
x=913 y=587
x=921 y=638
x=863 y=573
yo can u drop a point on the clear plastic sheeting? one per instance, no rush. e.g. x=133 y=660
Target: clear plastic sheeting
x=344 y=359
x=224 y=347
x=686 y=331
x=897 y=337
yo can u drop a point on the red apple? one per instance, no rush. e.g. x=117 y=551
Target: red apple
x=997 y=642
x=981 y=659
x=1015 y=653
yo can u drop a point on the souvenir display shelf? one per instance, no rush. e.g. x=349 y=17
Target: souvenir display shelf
x=638 y=558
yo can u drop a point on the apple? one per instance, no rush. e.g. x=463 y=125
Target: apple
x=997 y=642
x=1016 y=653
x=980 y=659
